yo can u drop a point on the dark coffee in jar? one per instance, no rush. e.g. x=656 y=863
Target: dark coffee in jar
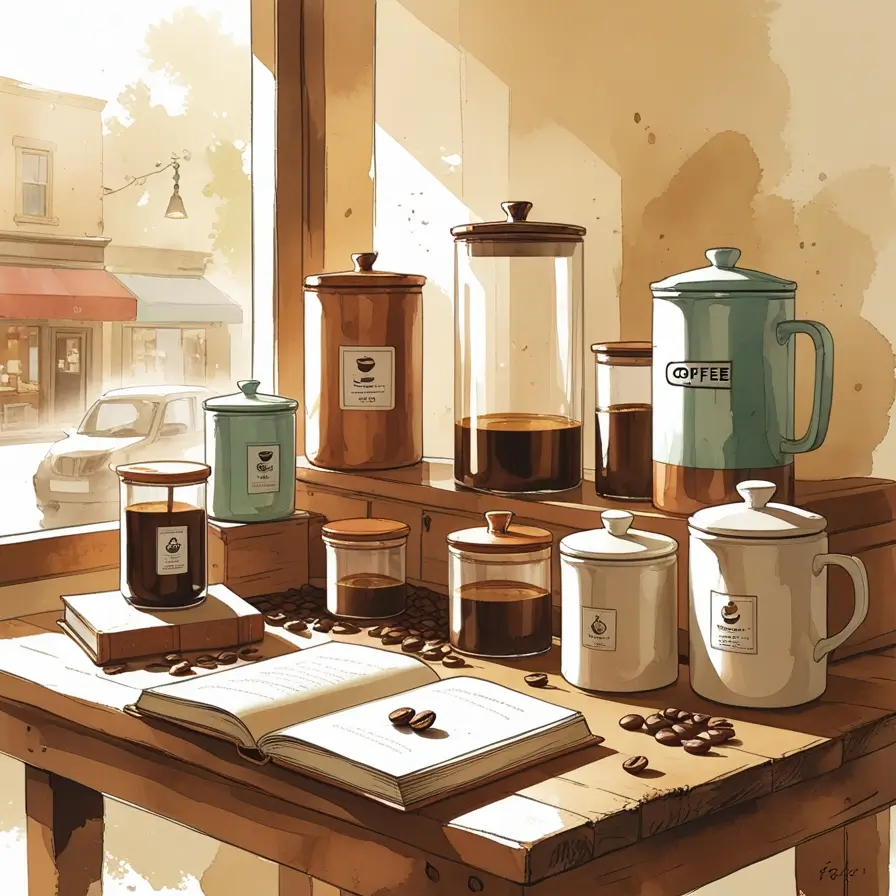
x=165 y=562
x=623 y=465
x=501 y=618
x=365 y=595
x=518 y=453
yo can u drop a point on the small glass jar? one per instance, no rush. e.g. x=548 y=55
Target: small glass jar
x=366 y=568
x=518 y=313
x=623 y=421
x=499 y=582
x=164 y=533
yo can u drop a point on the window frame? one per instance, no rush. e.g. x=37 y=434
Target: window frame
x=32 y=146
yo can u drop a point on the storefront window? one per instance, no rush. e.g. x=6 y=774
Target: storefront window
x=168 y=355
x=19 y=378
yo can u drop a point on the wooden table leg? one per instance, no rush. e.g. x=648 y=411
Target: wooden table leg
x=850 y=861
x=64 y=835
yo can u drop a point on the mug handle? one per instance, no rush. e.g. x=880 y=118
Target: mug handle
x=856 y=570
x=823 y=393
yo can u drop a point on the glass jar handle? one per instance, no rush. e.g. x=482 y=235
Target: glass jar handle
x=498 y=521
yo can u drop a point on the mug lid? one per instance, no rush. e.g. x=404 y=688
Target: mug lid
x=164 y=472
x=516 y=226
x=755 y=517
x=365 y=529
x=363 y=276
x=500 y=537
x=722 y=278
x=250 y=401
x=617 y=541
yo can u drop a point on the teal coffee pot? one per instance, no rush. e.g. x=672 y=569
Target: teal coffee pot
x=250 y=444
x=723 y=384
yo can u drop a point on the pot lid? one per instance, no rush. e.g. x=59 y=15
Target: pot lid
x=363 y=276
x=721 y=278
x=516 y=226
x=500 y=537
x=617 y=541
x=249 y=401
x=631 y=353
x=365 y=529
x=164 y=472
x=755 y=517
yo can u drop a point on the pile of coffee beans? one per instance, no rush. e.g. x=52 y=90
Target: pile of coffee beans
x=694 y=732
x=179 y=665
x=407 y=717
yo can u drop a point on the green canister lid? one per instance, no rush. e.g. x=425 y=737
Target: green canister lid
x=250 y=401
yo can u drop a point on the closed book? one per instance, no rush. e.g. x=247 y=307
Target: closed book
x=110 y=630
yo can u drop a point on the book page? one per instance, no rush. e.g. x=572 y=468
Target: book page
x=281 y=691
x=471 y=715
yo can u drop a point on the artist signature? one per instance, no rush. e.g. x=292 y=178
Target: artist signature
x=832 y=872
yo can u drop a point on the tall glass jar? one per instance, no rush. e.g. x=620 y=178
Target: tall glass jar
x=518 y=354
x=623 y=420
x=499 y=583
x=164 y=533
x=366 y=567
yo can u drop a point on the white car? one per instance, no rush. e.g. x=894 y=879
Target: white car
x=75 y=482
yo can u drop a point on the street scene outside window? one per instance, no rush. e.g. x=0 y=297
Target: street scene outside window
x=126 y=250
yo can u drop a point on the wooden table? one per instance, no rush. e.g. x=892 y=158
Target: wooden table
x=575 y=826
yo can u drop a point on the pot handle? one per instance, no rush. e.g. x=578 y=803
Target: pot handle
x=856 y=570
x=823 y=393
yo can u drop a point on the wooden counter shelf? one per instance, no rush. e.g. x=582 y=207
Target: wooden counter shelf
x=579 y=824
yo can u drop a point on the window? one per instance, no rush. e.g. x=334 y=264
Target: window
x=168 y=355
x=34 y=181
x=178 y=418
x=119 y=418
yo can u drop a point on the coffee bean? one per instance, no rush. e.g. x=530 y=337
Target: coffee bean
x=415 y=632
x=289 y=606
x=248 y=651
x=700 y=718
x=452 y=661
x=656 y=723
x=173 y=657
x=264 y=606
x=634 y=765
x=446 y=649
x=227 y=657
x=632 y=722
x=277 y=618
x=158 y=667
x=667 y=737
x=323 y=625
x=182 y=668
x=429 y=634
x=718 y=736
x=401 y=717
x=115 y=668
x=671 y=713
x=683 y=716
x=696 y=745
x=536 y=680
x=684 y=730
x=390 y=639
x=431 y=653
x=412 y=644
x=345 y=628
x=720 y=723
x=206 y=662
x=423 y=720
x=375 y=632
x=397 y=630
x=295 y=626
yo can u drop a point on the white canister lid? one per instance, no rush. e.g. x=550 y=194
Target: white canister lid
x=617 y=541
x=755 y=517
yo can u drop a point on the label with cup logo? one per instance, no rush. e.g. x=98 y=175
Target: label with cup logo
x=171 y=550
x=366 y=377
x=598 y=628
x=262 y=469
x=699 y=374
x=733 y=624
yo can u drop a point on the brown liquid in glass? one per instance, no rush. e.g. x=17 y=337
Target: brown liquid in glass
x=518 y=453
x=364 y=595
x=623 y=465
x=150 y=590
x=500 y=618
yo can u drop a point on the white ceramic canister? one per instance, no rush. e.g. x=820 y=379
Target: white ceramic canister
x=758 y=601
x=619 y=607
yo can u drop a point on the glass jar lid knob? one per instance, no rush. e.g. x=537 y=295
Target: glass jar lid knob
x=617 y=522
x=516 y=211
x=249 y=388
x=756 y=492
x=722 y=258
x=364 y=261
x=498 y=521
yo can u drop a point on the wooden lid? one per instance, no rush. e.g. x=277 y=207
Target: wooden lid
x=365 y=277
x=500 y=537
x=164 y=472
x=517 y=226
x=364 y=529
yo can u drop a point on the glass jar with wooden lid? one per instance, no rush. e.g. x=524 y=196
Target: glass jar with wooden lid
x=164 y=534
x=366 y=567
x=518 y=350
x=499 y=583
x=364 y=368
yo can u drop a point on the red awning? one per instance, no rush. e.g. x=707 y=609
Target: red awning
x=63 y=294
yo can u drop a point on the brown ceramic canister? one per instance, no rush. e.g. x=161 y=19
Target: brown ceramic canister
x=364 y=368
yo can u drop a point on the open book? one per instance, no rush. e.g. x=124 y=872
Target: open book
x=325 y=711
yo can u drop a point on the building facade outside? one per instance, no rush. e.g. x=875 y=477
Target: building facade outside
x=78 y=313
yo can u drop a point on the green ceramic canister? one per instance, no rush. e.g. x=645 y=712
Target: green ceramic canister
x=250 y=444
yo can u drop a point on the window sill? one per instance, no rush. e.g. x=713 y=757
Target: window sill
x=29 y=219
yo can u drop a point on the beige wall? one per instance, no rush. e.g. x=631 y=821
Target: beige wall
x=74 y=125
x=664 y=129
